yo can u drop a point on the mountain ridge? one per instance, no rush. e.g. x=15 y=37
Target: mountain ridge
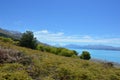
x=96 y=47
x=10 y=34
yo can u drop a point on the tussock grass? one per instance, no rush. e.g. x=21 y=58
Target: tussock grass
x=47 y=66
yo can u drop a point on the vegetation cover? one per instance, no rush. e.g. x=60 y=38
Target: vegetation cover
x=85 y=55
x=20 y=63
x=57 y=50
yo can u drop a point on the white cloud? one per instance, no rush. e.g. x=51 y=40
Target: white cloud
x=42 y=32
x=87 y=37
x=61 y=38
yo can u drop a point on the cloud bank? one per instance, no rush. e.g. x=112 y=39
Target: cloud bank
x=60 y=38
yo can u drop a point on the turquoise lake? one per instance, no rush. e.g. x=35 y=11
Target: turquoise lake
x=106 y=55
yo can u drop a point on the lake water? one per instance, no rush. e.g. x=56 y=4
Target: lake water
x=107 y=55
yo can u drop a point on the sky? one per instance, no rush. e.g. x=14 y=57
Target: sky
x=61 y=22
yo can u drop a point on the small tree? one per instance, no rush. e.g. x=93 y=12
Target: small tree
x=85 y=55
x=28 y=40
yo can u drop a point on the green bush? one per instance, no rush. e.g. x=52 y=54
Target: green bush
x=13 y=71
x=58 y=51
x=18 y=75
x=40 y=47
x=66 y=52
x=85 y=55
x=9 y=40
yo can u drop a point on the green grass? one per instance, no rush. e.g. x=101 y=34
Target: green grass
x=47 y=66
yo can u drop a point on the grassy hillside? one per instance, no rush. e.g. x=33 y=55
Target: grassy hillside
x=19 y=63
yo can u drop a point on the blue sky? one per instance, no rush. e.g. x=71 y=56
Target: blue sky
x=64 y=21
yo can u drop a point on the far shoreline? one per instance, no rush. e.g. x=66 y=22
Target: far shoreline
x=95 y=49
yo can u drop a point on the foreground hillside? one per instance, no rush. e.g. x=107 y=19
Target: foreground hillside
x=18 y=63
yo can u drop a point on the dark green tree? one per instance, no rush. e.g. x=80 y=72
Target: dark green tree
x=28 y=40
x=85 y=55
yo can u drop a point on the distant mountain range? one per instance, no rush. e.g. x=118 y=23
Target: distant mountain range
x=10 y=34
x=96 y=47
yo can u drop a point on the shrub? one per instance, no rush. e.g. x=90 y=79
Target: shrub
x=9 y=40
x=85 y=55
x=40 y=47
x=58 y=51
x=12 y=56
x=65 y=52
x=108 y=64
x=64 y=74
x=18 y=75
x=13 y=71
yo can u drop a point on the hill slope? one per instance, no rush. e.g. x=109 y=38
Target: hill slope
x=18 y=63
x=10 y=34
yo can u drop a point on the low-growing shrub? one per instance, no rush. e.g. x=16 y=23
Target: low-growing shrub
x=13 y=71
x=18 y=75
x=12 y=56
x=108 y=64
x=85 y=55
x=9 y=40
x=57 y=50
